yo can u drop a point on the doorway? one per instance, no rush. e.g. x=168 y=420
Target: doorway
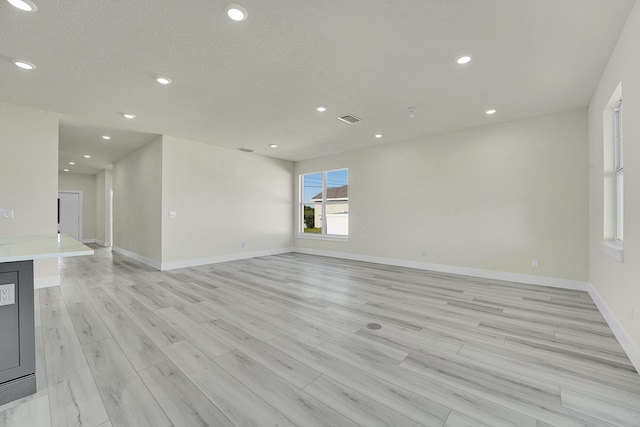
x=70 y=213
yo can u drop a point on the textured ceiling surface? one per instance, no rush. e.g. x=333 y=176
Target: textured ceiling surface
x=257 y=82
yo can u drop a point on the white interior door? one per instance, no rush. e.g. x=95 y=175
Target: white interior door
x=110 y=218
x=70 y=214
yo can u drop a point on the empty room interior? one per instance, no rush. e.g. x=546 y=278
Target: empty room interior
x=362 y=213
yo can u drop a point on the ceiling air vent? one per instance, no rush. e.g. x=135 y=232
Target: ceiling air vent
x=349 y=119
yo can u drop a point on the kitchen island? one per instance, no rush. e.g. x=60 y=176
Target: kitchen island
x=17 y=329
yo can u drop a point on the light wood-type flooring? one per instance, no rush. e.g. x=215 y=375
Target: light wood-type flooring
x=282 y=341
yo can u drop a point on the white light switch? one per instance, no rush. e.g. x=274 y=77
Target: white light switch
x=172 y=214
x=6 y=213
x=8 y=294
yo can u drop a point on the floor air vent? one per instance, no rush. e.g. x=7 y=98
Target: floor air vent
x=349 y=119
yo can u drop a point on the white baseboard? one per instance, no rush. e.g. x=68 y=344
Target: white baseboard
x=101 y=243
x=222 y=258
x=148 y=261
x=88 y=240
x=199 y=261
x=46 y=282
x=633 y=352
x=464 y=271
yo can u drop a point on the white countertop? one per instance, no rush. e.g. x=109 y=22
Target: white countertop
x=41 y=247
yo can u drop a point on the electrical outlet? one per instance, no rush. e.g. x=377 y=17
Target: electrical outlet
x=535 y=263
x=7 y=294
x=6 y=213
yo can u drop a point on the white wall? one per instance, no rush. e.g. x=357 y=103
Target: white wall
x=137 y=202
x=618 y=283
x=227 y=203
x=491 y=198
x=103 y=191
x=29 y=178
x=87 y=185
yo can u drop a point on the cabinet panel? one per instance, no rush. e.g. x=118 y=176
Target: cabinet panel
x=9 y=330
x=17 y=334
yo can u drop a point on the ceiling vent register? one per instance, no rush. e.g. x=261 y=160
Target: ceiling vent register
x=349 y=119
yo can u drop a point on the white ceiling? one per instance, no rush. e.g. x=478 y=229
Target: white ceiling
x=257 y=82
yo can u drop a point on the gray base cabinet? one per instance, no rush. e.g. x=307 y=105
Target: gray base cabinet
x=17 y=332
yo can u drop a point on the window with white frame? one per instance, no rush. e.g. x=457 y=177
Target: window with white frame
x=618 y=172
x=324 y=203
x=613 y=175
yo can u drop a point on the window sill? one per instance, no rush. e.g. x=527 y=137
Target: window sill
x=614 y=250
x=312 y=236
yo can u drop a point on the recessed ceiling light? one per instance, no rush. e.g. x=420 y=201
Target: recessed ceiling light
x=66 y=170
x=107 y=137
x=273 y=145
x=26 y=5
x=72 y=163
x=128 y=116
x=490 y=112
x=379 y=135
x=321 y=108
x=24 y=64
x=464 y=59
x=163 y=80
x=236 y=12
x=86 y=156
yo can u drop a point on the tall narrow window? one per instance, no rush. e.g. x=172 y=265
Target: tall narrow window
x=619 y=172
x=613 y=177
x=324 y=203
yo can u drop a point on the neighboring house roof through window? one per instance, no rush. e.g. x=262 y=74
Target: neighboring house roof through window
x=334 y=193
